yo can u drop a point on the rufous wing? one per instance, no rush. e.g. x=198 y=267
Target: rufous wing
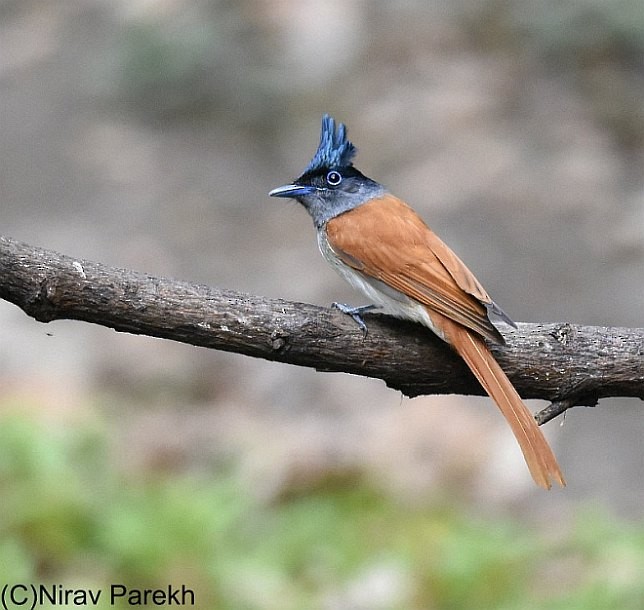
x=403 y=252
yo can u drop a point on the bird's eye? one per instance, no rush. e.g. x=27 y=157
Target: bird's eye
x=333 y=178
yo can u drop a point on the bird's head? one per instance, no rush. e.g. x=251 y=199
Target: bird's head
x=330 y=185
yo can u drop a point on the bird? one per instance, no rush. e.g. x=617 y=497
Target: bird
x=383 y=248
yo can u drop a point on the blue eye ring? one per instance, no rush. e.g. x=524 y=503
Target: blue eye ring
x=333 y=178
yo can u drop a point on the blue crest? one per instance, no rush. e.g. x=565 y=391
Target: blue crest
x=334 y=149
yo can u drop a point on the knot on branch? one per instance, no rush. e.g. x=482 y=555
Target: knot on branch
x=564 y=333
x=280 y=340
x=43 y=304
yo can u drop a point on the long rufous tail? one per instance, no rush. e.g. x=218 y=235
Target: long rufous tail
x=536 y=450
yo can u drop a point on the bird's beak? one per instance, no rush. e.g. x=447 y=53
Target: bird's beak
x=292 y=190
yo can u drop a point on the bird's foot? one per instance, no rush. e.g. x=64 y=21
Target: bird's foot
x=356 y=314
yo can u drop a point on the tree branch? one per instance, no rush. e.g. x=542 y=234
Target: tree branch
x=566 y=364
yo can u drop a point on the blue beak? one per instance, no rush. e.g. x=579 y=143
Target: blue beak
x=292 y=190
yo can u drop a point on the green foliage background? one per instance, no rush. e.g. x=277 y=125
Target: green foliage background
x=69 y=517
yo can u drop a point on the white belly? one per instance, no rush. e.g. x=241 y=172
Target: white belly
x=388 y=300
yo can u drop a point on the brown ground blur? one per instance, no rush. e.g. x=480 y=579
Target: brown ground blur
x=146 y=134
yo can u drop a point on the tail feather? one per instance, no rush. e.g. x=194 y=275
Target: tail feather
x=538 y=455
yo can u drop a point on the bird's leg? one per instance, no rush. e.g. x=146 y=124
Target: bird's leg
x=356 y=314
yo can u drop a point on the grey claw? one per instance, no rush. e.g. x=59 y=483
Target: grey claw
x=356 y=314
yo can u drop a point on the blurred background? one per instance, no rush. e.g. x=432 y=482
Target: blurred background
x=146 y=134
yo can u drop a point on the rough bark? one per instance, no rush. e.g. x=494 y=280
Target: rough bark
x=564 y=363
